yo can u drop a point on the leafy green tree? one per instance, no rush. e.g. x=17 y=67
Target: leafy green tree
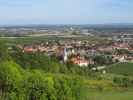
x=11 y=78
x=103 y=60
x=3 y=51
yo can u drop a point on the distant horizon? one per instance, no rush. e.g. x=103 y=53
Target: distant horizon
x=97 y=24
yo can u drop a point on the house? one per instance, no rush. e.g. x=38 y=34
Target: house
x=29 y=49
x=119 y=58
x=121 y=46
x=80 y=61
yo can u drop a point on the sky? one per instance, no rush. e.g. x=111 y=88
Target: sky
x=13 y=12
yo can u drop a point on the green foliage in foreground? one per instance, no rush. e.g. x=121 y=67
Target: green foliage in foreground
x=19 y=84
x=27 y=84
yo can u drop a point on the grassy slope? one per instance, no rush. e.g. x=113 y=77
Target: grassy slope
x=104 y=90
x=121 y=68
x=110 y=95
x=114 y=94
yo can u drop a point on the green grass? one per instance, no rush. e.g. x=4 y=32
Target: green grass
x=121 y=68
x=109 y=95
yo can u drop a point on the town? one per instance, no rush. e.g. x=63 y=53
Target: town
x=82 y=52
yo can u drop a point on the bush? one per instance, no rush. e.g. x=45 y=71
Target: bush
x=123 y=81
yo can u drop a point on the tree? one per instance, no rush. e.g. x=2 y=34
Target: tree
x=10 y=78
x=103 y=60
x=3 y=52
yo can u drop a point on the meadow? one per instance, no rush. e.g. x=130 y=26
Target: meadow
x=110 y=95
x=125 y=68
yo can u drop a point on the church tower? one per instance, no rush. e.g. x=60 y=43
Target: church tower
x=65 y=55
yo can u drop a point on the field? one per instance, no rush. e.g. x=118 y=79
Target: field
x=109 y=95
x=121 y=68
x=38 y=39
x=115 y=70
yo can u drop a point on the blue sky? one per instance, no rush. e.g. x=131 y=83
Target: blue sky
x=65 y=11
